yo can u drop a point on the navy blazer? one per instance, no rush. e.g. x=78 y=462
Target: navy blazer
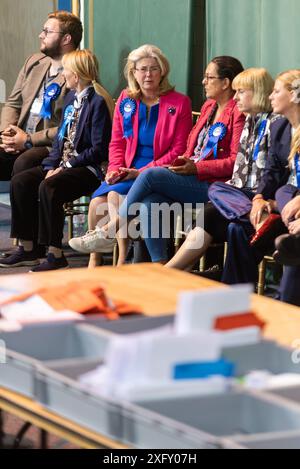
x=92 y=136
x=277 y=171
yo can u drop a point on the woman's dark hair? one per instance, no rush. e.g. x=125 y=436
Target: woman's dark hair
x=228 y=67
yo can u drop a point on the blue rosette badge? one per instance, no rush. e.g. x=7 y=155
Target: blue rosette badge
x=51 y=94
x=128 y=109
x=68 y=116
x=216 y=133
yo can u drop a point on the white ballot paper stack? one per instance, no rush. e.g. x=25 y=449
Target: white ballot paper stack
x=199 y=310
x=185 y=359
x=141 y=366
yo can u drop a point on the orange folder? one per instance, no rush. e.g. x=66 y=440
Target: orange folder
x=237 y=321
x=84 y=297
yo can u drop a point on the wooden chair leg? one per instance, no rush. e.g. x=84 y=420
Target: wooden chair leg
x=225 y=252
x=202 y=263
x=177 y=236
x=70 y=227
x=262 y=277
x=115 y=254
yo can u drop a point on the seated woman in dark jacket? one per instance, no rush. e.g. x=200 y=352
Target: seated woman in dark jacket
x=242 y=258
x=288 y=198
x=288 y=245
x=70 y=171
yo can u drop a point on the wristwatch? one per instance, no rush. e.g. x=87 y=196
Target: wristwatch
x=28 y=144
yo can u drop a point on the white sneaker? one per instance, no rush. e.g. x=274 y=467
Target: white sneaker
x=93 y=241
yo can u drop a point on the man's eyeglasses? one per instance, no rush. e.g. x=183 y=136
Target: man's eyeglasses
x=47 y=31
x=210 y=77
x=144 y=70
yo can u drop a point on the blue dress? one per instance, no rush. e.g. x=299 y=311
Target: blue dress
x=144 y=153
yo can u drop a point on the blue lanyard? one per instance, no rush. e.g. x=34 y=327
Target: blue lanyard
x=261 y=133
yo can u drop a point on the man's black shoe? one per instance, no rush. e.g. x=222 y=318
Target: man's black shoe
x=51 y=263
x=21 y=258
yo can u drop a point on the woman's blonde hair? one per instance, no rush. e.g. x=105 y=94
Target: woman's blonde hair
x=291 y=81
x=144 y=52
x=260 y=82
x=85 y=64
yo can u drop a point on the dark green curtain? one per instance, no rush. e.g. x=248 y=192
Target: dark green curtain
x=261 y=33
x=122 y=25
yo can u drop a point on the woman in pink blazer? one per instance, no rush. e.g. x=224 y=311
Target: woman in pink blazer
x=173 y=126
x=150 y=129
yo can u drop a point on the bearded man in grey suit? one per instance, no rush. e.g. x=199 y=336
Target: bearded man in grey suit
x=31 y=115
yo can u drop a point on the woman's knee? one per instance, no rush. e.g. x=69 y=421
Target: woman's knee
x=281 y=192
x=48 y=187
x=151 y=174
x=114 y=198
x=99 y=208
x=235 y=229
x=94 y=203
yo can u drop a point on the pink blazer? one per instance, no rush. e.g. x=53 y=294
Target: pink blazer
x=219 y=169
x=173 y=127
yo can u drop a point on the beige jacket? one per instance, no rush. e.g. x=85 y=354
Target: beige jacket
x=27 y=86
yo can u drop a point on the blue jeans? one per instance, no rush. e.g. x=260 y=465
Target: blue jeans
x=158 y=185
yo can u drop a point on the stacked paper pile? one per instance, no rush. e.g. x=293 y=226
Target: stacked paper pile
x=184 y=359
x=226 y=311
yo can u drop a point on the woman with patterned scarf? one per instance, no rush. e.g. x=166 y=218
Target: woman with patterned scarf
x=232 y=201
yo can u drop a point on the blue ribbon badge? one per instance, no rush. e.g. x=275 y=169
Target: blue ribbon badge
x=261 y=133
x=68 y=116
x=128 y=109
x=51 y=94
x=297 y=168
x=216 y=133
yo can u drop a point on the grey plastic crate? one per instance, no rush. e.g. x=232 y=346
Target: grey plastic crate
x=45 y=361
x=58 y=390
x=292 y=393
x=147 y=429
x=48 y=342
x=131 y=325
x=229 y=415
x=288 y=440
x=33 y=345
x=265 y=355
